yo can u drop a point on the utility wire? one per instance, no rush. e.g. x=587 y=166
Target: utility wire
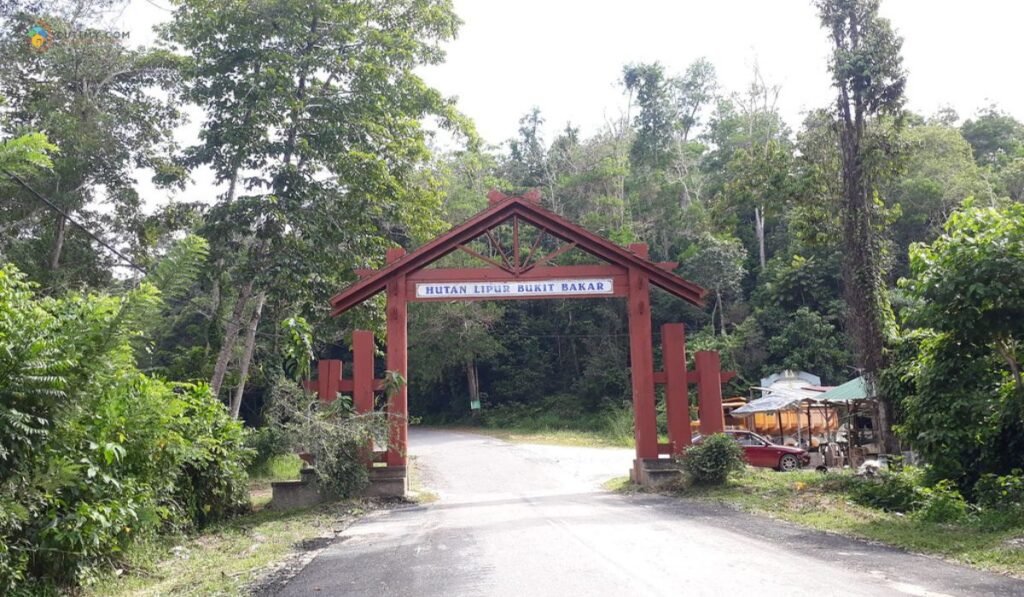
x=80 y=226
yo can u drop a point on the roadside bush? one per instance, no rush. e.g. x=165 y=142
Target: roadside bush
x=341 y=449
x=713 y=460
x=941 y=503
x=93 y=453
x=1001 y=492
x=889 y=491
x=212 y=483
x=338 y=439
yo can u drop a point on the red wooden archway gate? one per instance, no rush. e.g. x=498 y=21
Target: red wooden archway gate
x=518 y=272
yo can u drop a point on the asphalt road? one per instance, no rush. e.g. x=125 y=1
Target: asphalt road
x=527 y=520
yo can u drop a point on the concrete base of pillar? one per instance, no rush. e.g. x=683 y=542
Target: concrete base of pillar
x=389 y=481
x=296 y=494
x=654 y=472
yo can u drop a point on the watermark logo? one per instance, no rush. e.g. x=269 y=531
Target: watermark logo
x=39 y=36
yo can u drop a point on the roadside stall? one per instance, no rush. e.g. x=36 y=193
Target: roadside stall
x=855 y=440
x=771 y=405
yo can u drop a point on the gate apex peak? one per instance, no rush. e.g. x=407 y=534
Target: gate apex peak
x=533 y=196
x=494 y=196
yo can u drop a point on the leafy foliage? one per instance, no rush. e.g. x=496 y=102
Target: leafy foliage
x=338 y=439
x=891 y=491
x=1001 y=492
x=964 y=414
x=26 y=154
x=942 y=503
x=110 y=110
x=713 y=460
x=96 y=454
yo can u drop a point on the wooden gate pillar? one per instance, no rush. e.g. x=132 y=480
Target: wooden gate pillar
x=709 y=392
x=328 y=380
x=362 y=371
x=398 y=362
x=641 y=366
x=677 y=401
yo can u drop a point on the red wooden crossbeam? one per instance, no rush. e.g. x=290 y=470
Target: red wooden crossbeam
x=692 y=377
x=345 y=386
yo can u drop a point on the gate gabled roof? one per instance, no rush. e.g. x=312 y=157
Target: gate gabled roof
x=500 y=211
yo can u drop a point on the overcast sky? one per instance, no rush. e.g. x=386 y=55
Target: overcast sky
x=565 y=56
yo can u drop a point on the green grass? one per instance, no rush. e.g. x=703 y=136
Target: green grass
x=226 y=558
x=417 y=491
x=818 y=501
x=559 y=419
x=279 y=468
x=556 y=437
x=619 y=484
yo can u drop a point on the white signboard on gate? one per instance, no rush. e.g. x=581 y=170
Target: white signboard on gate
x=518 y=289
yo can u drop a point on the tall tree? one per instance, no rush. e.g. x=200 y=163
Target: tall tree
x=106 y=107
x=994 y=135
x=527 y=164
x=314 y=125
x=939 y=173
x=654 y=123
x=867 y=71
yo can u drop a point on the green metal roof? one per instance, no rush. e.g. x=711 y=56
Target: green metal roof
x=855 y=389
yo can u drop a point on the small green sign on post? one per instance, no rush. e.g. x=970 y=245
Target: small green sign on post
x=474 y=404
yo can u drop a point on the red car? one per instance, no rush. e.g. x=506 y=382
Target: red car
x=759 y=451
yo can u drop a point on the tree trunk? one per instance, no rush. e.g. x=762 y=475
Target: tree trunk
x=473 y=382
x=58 y=242
x=714 y=313
x=227 y=347
x=250 y=345
x=1006 y=350
x=300 y=94
x=759 y=228
x=721 y=312
x=889 y=443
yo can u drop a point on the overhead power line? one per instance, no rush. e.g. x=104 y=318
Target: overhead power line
x=78 y=224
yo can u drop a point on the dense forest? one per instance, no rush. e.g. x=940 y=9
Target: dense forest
x=863 y=239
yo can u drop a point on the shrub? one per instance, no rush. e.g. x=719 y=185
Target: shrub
x=93 y=453
x=341 y=447
x=941 y=503
x=1001 y=492
x=211 y=483
x=338 y=439
x=713 y=460
x=889 y=491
